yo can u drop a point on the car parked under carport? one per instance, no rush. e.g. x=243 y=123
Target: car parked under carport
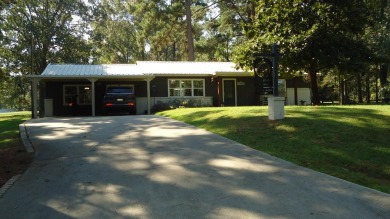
x=119 y=99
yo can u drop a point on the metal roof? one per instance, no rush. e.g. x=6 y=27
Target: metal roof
x=91 y=70
x=186 y=68
x=141 y=69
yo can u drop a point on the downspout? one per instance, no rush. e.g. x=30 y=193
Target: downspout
x=219 y=91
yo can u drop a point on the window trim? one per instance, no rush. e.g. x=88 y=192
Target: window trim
x=77 y=88
x=192 y=86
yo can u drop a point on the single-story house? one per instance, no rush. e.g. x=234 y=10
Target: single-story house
x=153 y=82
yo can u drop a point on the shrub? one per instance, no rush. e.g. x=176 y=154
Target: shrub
x=178 y=103
x=385 y=94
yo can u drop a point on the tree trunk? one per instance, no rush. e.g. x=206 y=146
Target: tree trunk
x=359 y=88
x=227 y=50
x=314 y=87
x=166 y=54
x=341 y=91
x=190 y=37
x=376 y=90
x=368 y=94
x=143 y=54
x=174 y=51
x=42 y=58
x=383 y=75
x=346 y=93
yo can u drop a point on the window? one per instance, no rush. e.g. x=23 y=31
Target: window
x=120 y=88
x=186 y=87
x=81 y=94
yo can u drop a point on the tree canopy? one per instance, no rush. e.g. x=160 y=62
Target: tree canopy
x=332 y=38
x=312 y=35
x=35 y=33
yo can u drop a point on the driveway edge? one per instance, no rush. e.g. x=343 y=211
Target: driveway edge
x=29 y=148
x=8 y=185
x=25 y=138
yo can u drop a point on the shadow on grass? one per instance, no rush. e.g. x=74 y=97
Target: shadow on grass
x=9 y=131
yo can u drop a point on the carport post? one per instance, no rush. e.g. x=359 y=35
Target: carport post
x=148 y=93
x=92 y=80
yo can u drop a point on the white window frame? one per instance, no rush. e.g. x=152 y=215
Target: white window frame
x=78 y=86
x=192 y=86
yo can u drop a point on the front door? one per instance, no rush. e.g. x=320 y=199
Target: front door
x=229 y=92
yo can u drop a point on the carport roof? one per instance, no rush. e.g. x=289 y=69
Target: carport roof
x=87 y=70
x=142 y=69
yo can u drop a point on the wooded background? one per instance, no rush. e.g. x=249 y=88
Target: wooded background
x=341 y=47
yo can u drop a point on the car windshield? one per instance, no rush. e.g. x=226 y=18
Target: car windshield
x=120 y=90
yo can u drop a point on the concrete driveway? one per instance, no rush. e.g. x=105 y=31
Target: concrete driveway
x=155 y=167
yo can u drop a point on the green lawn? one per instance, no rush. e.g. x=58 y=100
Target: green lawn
x=349 y=142
x=9 y=128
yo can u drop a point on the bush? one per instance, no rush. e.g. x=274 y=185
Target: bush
x=177 y=103
x=160 y=106
x=385 y=94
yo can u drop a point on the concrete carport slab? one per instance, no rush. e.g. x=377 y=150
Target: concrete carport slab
x=156 y=167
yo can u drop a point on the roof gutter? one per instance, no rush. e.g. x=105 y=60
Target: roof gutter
x=235 y=74
x=183 y=75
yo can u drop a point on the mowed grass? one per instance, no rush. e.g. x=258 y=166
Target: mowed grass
x=9 y=128
x=349 y=142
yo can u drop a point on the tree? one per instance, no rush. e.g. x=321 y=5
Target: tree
x=313 y=36
x=221 y=29
x=377 y=36
x=113 y=34
x=190 y=37
x=35 y=33
x=49 y=25
x=161 y=26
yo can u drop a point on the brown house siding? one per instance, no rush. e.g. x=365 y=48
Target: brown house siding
x=53 y=89
x=245 y=91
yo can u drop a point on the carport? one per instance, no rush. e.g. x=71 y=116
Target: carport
x=90 y=74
